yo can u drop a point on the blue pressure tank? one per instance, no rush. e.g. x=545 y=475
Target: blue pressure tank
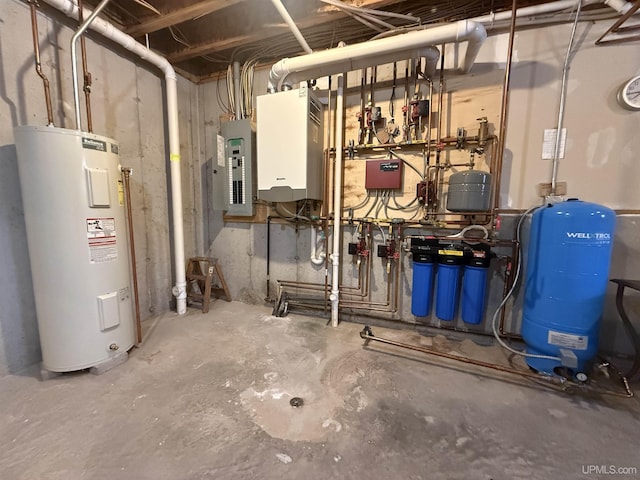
x=424 y=252
x=474 y=285
x=448 y=283
x=566 y=278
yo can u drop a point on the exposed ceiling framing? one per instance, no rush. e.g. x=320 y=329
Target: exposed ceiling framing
x=202 y=37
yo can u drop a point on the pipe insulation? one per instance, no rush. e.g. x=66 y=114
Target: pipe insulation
x=378 y=52
x=109 y=31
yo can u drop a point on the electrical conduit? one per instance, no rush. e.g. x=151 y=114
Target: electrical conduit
x=74 y=58
x=129 y=43
x=292 y=25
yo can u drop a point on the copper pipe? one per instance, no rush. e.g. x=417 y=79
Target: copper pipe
x=86 y=87
x=324 y=210
x=509 y=283
x=301 y=285
x=390 y=301
x=369 y=303
x=504 y=109
x=36 y=50
x=367 y=335
x=497 y=177
x=558 y=383
x=440 y=101
x=616 y=27
x=381 y=307
x=126 y=173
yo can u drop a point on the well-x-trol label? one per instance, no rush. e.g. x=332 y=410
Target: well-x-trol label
x=567 y=340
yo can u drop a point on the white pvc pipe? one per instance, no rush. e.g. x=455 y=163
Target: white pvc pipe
x=337 y=203
x=377 y=52
x=314 y=257
x=621 y=6
x=129 y=43
x=431 y=55
x=292 y=25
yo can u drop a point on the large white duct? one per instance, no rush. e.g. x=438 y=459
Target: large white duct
x=377 y=52
x=129 y=43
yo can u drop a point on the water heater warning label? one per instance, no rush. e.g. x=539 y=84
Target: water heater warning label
x=565 y=340
x=101 y=237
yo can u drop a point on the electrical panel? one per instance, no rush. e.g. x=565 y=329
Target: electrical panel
x=290 y=146
x=383 y=174
x=239 y=179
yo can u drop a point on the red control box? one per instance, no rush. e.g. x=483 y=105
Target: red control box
x=383 y=174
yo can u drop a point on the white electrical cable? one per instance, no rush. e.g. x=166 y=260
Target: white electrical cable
x=230 y=92
x=461 y=233
x=289 y=214
x=364 y=22
x=384 y=237
x=494 y=321
x=149 y=6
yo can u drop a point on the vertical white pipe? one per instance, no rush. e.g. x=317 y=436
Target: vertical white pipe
x=129 y=43
x=337 y=203
x=314 y=257
x=180 y=289
x=292 y=25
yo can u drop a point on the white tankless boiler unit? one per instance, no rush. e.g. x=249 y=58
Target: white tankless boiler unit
x=76 y=231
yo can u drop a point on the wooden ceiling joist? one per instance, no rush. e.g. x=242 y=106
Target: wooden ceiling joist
x=220 y=45
x=178 y=16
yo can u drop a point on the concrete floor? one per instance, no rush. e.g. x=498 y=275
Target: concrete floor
x=207 y=396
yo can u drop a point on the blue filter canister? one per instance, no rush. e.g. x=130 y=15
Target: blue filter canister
x=474 y=285
x=448 y=282
x=422 y=285
x=425 y=253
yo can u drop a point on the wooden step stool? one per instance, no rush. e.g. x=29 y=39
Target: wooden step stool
x=204 y=279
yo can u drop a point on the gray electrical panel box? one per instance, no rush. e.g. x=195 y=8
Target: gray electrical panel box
x=290 y=145
x=239 y=172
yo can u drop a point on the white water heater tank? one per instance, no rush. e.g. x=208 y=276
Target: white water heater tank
x=76 y=231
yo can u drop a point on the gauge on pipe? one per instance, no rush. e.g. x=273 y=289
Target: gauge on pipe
x=629 y=94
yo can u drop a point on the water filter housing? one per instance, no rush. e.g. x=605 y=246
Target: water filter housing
x=567 y=272
x=76 y=231
x=448 y=283
x=425 y=255
x=474 y=285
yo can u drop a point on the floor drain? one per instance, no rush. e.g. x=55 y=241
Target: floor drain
x=296 y=402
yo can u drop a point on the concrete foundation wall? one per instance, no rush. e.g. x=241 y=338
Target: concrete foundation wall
x=128 y=105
